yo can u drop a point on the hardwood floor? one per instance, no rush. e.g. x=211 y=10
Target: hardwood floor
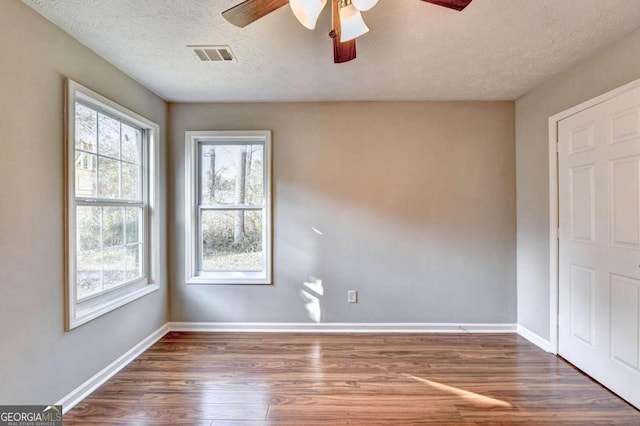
x=264 y=379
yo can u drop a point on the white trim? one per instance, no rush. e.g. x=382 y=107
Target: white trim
x=553 y=202
x=78 y=394
x=111 y=304
x=553 y=236
x=77 y=313
x=192 y=273
x=284 y=327
x=534 y=338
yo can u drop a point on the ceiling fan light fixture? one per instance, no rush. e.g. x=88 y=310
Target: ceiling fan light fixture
x=352 y=25
x=364 y=5
x=307 y=11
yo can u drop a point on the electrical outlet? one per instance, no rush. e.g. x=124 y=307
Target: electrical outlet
x=352 y=296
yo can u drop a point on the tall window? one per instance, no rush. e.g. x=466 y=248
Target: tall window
x=109 y=174
x=228 y=226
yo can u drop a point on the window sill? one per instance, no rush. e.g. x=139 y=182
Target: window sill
x=231 y=278
x=85 y=314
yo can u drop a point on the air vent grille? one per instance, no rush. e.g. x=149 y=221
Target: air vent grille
x=213 y=53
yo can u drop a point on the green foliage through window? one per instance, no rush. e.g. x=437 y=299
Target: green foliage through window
x=232 y=196
x=108 y=167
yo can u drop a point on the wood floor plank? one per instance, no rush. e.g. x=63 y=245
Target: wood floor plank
x=135 y=422
x=439 y=413
x=330 y=423
x=260 y=379
x=133 y=410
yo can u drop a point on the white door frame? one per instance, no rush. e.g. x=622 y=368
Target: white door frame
x=553 y=202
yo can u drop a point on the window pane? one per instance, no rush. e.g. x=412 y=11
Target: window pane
x=108 y=136
x=109 y=171
x=88 y=223
x=232 y=240
x=113 y=226
x=130 y=181
x=133 y=224
x=88 y=276
x=86 y=128
x=232 y=174
x=131 y=144
x=134 y=269
x=85 y=166
x=113 y=261
x=109 y=211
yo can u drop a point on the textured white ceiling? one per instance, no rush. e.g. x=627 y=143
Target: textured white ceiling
x=494 y=49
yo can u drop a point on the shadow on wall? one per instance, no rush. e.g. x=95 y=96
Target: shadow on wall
x=431 y=215
x=439 y=171
x=414 y=202
x=445 y=271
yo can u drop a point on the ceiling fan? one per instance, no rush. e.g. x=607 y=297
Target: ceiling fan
x=346 y=19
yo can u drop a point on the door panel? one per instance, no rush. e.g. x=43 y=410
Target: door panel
x=599 y=248
x=582 y=303
x=582 y=138
x=625 y=309
x=625 y=125
x=583 y=221
x=625 y=202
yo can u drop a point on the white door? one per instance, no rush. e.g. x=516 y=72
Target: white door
x=599 y=265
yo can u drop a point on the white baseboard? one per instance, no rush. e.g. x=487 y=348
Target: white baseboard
x=82 y=391
x=281 y=327
x=543 y=344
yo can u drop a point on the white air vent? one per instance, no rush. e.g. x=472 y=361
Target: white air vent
x=213 y=53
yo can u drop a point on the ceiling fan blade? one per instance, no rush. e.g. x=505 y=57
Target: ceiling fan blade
x=251 y=10
x=342 y=52
x=451 y=4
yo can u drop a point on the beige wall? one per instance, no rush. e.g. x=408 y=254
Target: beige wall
x=416 y=203
x=606 y=70
x=39 y=361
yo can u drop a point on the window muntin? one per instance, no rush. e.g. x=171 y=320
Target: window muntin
x=229 y=230
x=111 y=195
x=109 y=202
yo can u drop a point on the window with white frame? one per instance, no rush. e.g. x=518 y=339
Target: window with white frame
x=228 y=207
x=111 y=161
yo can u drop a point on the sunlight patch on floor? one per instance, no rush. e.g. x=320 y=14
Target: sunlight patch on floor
x=471 y=397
